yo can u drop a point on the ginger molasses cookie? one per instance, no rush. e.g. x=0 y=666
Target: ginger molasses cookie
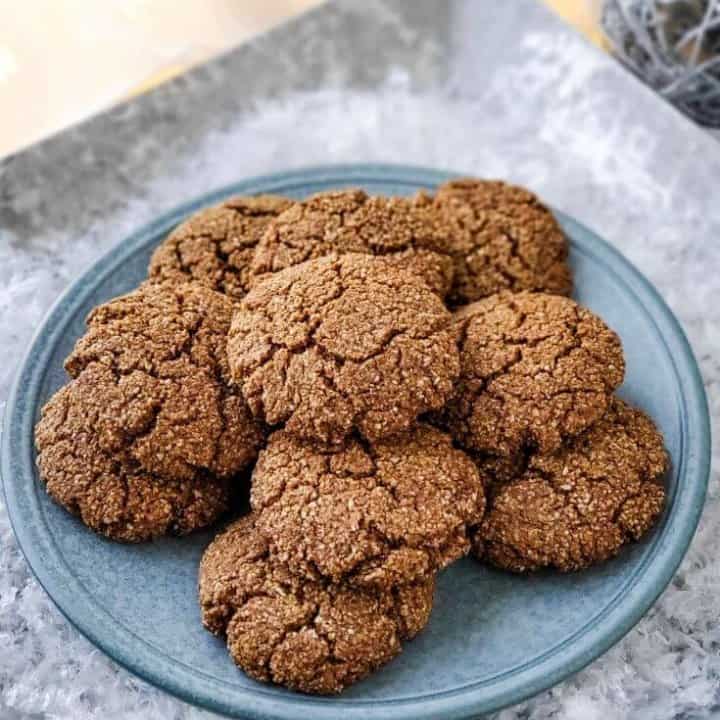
x=161 y=382
x=536 y=368
x=309 y=636
x=411 y=235
x=214 y=247
x=113 y=498
x=503 y=238
x=342 y=343
x=579 y=506
x=370 y=514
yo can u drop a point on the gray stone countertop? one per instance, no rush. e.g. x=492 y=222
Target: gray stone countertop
x=494 y=89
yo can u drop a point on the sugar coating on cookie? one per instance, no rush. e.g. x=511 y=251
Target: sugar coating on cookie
x=161 y=382
x=379 y=514
x=115 y=499
x=535 y=369
x=579 y=506
x=309 y=636
x=502 y=238
x=215 y=246
x=413 y=236
x=343 y=343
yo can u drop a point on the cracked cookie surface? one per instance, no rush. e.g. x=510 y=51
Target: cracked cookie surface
x=535 y=369
x=309 y=636
x=215 y=246
x=502 y=238
x=114 y=499
x=409 y=234
x=579 y=506
x=161 y=382
x=343 y=343
x=379 y=515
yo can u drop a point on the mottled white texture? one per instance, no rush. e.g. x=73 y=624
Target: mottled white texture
x=550 y=117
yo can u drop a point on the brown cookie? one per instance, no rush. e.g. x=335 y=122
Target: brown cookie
x=161 y=383
x=380 y=514
x=579 y=506
x=214 y=247
x=310 y=636
x=117 y=500
x=535 y=369
x=343 y=343
x=502 y=238
x=411 y=235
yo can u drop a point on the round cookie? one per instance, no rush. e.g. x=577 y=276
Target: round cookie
x=579 y=506
x=379 y=515
x=309 y=636
x=119 y=501
x=343 y=343
x=535 y=369
x=215 y=246
x=161 y=383
x=412 y=235
x=502 y=238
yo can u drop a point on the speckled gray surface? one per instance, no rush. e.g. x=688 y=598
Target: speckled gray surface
x=462 y=85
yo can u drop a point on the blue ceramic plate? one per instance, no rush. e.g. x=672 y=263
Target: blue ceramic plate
x=493 y=638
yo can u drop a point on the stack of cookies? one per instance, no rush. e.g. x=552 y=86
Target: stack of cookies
x=398 y=381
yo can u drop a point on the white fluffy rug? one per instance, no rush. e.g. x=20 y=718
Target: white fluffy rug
x=585 y=153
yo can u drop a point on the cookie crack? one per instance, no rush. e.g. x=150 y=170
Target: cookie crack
x=332 y=657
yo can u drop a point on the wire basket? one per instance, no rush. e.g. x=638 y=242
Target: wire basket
x=674 y=45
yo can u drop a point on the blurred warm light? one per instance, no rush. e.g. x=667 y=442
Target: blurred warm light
x=584 y=15
x=62 y=60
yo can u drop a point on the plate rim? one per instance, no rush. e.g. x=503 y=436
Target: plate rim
x=464 y=702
